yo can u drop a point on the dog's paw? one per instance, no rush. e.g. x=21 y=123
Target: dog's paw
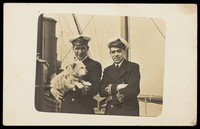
x=86 y=83
x=79 y=85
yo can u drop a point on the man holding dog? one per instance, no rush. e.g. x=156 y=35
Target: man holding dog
x=120 y=83
x=81 y=100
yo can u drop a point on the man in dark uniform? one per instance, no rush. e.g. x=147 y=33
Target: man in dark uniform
x=120 y=83
x=81 y=100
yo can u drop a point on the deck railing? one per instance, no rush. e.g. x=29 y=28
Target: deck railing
x=142 y=98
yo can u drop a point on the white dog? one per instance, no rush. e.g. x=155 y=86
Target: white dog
x=70 y=77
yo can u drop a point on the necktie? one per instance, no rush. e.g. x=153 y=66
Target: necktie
x=117 y=66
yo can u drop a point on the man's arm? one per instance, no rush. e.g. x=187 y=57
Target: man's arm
x=104 y=85
x=95 y=77
x=132 y=89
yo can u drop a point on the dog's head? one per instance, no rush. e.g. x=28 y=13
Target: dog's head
x=78 y=68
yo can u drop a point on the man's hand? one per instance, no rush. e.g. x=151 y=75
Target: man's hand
x=108 y=89
x=121 y=86
x=57 y=95
x=109 y=98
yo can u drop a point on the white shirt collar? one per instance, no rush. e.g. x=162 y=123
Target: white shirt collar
x=82 y=59
x=119 y=63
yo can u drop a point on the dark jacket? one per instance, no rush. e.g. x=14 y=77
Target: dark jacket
x=76 y=101
x=128 y=73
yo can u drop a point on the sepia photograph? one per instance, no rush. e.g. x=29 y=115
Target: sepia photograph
x=137 y=44
x=100 y=64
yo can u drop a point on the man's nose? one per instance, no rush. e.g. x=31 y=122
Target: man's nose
x=116 y=53
x=79 y=51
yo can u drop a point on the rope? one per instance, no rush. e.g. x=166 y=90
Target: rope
x=97 y=40
x=157 y=28
x=63 y=28
x=87 y=23
x=68 y=25
x=66 y=54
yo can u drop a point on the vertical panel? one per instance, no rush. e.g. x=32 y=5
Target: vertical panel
x=46 y=63
x=38 y=81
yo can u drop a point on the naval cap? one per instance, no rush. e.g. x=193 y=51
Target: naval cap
x=118 y=42
x=80 y=40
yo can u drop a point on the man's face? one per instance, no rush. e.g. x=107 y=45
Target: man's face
x=80 y=51
x=117 y=54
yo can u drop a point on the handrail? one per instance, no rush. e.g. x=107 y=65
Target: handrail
x=151 y=99
x=142 y=98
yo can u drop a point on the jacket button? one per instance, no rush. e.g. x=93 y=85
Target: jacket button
x=111 y=106
x=72 y=99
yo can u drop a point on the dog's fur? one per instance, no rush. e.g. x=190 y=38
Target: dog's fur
x=70 y=77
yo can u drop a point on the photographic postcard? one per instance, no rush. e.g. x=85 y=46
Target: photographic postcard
x=162 y=40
